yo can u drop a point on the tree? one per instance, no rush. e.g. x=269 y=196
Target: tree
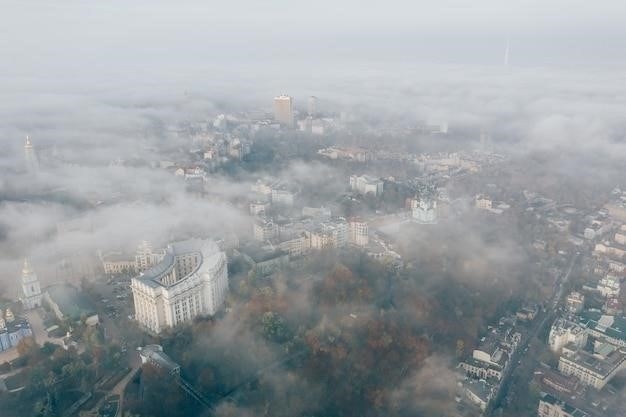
x=274 y=327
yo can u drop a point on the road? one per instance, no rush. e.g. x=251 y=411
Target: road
x=39 y=329
x=539 y=325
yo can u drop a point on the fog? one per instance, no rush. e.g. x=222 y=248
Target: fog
x=98 y=84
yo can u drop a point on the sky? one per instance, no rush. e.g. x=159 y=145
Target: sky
x=116 y=37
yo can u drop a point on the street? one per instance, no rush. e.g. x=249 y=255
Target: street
x=546 y=319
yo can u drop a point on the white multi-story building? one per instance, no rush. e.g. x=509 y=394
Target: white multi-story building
x=594 y=370
x=190 y=280
x=117 y=263
x=365 y=184
x=609 y=286
x=550 y=406
x=282 y=197
x=263 y=229
x=145 y=257
x=262 y=189
x=317 y=212
x=575 y=302
x=483 y=202
x=258 y=207
x=339 y=231
x=31 y=290
x=331 y=235
x=296 y=245
x=563 y=332
x=359 y=234
x=424 y=210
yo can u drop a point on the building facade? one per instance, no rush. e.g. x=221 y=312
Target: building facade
x=366 y=184
x=590 y=369
x=312 y=106
x=283 y=110
x=117 y=263
x=12 y=330
x=359 y=233
x=550 y=406
x=145 y=257
x=424 y=211
x=190 y=280
x=563 y=332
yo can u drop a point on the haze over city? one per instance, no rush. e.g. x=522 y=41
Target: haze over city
x=312 y=209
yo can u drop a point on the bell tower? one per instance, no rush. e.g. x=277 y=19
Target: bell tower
x=31 y=290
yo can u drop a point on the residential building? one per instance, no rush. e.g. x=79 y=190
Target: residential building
x=262 y=189
x=366 y=184
x=424 y=210
x=483 y=202
x=282 y=197
x=264 y=229
x=317 y=212
x=550 y=406
x=258 y=207
x=575 y=302
x=296 y=245
x=479 y=392
x=563 y=332
x=609 y=286
x=190 y=280
x=492 y=355
x=352 y=154
x=359 y=234
x=609 y=250
x=331 y=235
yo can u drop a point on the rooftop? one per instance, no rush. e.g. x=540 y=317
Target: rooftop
x=261 y=254
x=155 y=354
x=612 y=326
x=602 y=366
x=205 y=248
x=571 y=410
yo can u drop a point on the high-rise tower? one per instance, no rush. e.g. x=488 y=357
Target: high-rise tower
x=506 y=55
x=283 y=110
x=312 y=106
x=31 y=290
